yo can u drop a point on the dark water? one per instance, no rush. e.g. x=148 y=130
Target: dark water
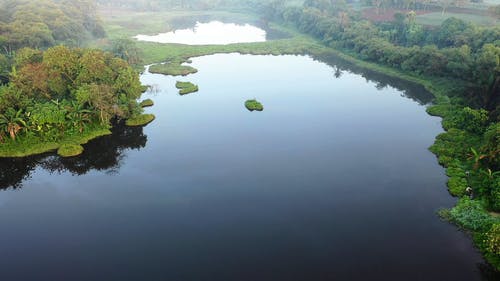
x=332 y=181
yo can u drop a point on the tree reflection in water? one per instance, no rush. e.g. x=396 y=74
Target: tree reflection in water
x=102 y=154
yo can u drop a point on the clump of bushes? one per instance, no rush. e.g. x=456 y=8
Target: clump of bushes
x=186 y=87
x=252 y=105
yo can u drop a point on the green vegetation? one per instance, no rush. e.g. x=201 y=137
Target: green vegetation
x=146 y=103
x=61 y=96
x=70 y=150
x=174 y=54
x=186 y=87
x=36 y=145
x=472 y=215
x=436 y=19
x=252 y=105
x=174 y=68
x=140 y=120
x=45 y=23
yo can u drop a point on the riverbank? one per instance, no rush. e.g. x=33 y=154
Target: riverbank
x=27 y=146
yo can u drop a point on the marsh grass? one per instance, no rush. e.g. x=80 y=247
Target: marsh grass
x=186 y=87
x=140 y=120
x=70 y=150
x=173 y=69
x=27 y=146
x=252 y=105
x=147 y=103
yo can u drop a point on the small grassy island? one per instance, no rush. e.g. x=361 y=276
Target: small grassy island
x=174 y=68
x=61 y=98
x=252 y=105
x=186 y=87
x=140 y=120
x=147 y=103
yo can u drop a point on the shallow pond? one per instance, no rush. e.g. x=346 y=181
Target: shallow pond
x=332 y=181
x=213 y=32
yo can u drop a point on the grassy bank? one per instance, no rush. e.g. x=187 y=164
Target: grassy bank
x=70 y=150
x=26 y=146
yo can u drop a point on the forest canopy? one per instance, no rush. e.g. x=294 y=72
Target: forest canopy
x=65 y=90
x=45 y=23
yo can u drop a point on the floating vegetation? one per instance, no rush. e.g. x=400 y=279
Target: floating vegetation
x=174 y=68
x=146 y=103
x=140 y=120
x=186 y=87
x=252 y=105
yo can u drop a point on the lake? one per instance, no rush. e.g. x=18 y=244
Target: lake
x=213 y=32
x=332 y=181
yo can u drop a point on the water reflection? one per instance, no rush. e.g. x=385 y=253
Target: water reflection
x=184 y=22
x=410 y=90
x=214 y=33
x=102 y=154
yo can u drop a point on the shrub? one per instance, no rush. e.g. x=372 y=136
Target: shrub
x=254 y=105
x=471 y=215
x=493 y=239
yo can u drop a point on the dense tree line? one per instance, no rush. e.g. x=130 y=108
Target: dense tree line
x=457 y=49
x=45 y=23
x=65 y=91
x=155 y=5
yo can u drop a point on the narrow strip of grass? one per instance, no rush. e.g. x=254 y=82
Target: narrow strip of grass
x=140 y=120
x=70 y=150
x=27 y=146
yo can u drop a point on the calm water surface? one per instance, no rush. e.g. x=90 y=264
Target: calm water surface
x=213 y=32
x=332 y=181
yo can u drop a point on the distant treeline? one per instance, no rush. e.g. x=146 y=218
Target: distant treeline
x=457 y=49
x=50 y=91
x=154 y=5
x=45 y=23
